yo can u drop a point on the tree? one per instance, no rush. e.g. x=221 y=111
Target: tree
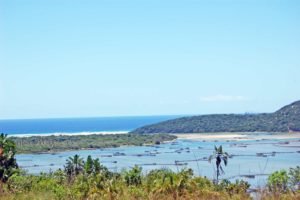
x=89 y=165
x=74 y=166
x=220 y=156
x=97 y=166
x=8 y=164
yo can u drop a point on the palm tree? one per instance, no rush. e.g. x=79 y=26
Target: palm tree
x=74 y=165
x=220 y=156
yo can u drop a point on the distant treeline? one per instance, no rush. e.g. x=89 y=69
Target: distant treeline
x=38 y=144
x=287 y=119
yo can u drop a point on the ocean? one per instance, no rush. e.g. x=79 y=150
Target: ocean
x=246 y=159
x=77 y=125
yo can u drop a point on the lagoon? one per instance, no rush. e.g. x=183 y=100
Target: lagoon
x=258 y=157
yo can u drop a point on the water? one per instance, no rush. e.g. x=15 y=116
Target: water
x=246 y=161
x=77 y=125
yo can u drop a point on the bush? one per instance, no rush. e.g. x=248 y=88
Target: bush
x=203 y=183
x=278 y=181
x=238 y=187
x=134 y=176
x=19 y=184
x=294 y=178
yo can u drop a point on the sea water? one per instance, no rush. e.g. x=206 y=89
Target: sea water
x=25 y=127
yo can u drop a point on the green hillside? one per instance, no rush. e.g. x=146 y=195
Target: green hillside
x=287 y=119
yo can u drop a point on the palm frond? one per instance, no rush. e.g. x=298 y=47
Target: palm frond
x=210 y=158
x=220 y=149
x=225 y=159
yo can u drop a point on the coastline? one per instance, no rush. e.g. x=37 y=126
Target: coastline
x=40 y=143
x=68 y=134
x=61 y=143
x=192 y=136
x=237 y=136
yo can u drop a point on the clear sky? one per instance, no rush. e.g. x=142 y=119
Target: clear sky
x=85 y=58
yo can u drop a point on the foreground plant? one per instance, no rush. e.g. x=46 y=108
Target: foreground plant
x=219 y=156
x=294 y=178
x=131 y=184
x=74 y=166
x=88 y=179
x=8 y=164
x=284 y=181
x=278 y=181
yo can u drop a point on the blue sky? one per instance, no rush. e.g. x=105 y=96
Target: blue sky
x=152 y=57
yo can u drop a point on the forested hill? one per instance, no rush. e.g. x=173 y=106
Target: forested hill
x=287 y=119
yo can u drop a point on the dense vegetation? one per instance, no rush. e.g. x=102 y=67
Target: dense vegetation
x=8 y=164
x=37 y=144
x=287 y=119
x=89 y=179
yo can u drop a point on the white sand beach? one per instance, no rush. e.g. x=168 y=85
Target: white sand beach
x=237 y=136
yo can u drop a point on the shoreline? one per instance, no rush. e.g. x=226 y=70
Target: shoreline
x=62 y=143
x=24 y=135
x=237 y=136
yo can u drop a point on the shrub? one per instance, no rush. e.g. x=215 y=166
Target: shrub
x=294 y=178
x=134 y=176
x=278 y=181
x=18 y=184
x=238 y=187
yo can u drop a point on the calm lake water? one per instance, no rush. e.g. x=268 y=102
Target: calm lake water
x=278 y=154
